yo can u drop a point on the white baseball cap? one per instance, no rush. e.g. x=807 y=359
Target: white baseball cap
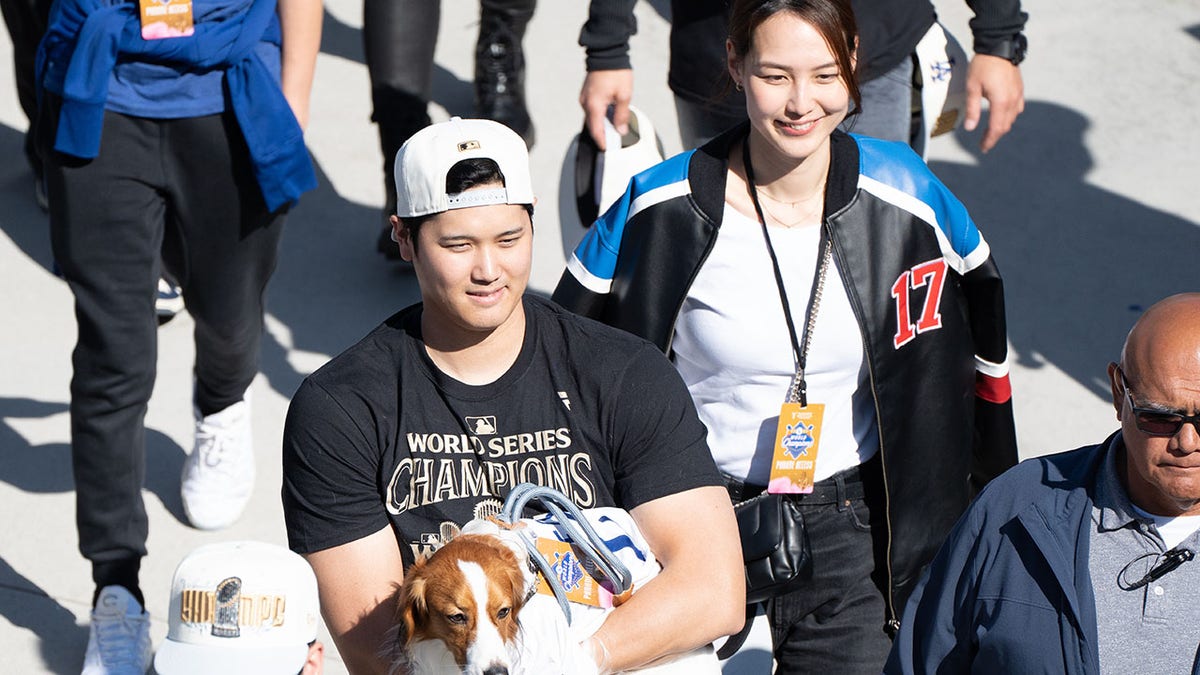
x=240 y=608
x=943 y=65
x=602 y=176
x=424 y=160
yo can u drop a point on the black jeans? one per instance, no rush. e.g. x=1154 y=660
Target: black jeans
x=185 y=188
x=834 y=624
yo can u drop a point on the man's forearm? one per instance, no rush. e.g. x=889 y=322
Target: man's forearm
x=699 y=596
x=673 y=614
x=363 y=647
x=358 y=583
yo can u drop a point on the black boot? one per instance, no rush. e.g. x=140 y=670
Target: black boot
x=500 y=66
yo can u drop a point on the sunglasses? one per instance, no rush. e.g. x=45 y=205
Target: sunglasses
x=1156 y=422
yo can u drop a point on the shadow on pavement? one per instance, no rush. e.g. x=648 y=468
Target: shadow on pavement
x=27 y=606
x=331 y=287
x=341 y=39
x=46 y=468
x=662 y=7
x=164 y=466
x=39 y=469
x=21 y=219
x=749 y=661
x=1080 y=263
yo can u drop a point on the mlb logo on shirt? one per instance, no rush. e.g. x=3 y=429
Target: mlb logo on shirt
x=482 y=426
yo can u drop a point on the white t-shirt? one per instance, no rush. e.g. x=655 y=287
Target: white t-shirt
x=1173 y=530
x=732 y=348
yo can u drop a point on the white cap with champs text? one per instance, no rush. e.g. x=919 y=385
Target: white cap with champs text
x=240 y=608
x=424 y=160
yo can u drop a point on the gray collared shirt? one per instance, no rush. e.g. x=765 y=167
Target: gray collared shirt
x=1154 y=628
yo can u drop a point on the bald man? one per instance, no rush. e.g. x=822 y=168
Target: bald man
x=1081 y=562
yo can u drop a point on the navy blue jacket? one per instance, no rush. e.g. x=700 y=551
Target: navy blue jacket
x=1010 y=591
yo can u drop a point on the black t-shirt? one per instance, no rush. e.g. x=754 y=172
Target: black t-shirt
x=380 y=435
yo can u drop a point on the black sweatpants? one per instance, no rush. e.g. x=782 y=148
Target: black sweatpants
x=183 y=187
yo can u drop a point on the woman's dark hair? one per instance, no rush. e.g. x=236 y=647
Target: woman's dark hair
x=833 y=19
x=461 y=177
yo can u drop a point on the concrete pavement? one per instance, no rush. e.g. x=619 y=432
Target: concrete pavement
x=1090 y=205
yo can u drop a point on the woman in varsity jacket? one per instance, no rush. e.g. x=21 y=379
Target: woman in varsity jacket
x=792 y=270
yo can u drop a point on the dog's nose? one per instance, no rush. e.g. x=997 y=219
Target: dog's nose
x=496 y=670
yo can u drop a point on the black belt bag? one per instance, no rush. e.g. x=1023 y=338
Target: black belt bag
x=775 y=550
x=774 y=546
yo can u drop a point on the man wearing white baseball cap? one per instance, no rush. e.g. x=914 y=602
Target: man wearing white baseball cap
x=435 y=416
x=242 y=608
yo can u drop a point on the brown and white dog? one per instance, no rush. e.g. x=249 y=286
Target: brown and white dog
x=471 y=608
x=459 y=609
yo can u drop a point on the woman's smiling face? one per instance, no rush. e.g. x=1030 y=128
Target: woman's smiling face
x=796 y=94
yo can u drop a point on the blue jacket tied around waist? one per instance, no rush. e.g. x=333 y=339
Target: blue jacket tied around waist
x=90 y=35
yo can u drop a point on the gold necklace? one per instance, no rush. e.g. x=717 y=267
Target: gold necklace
x=808 y=214
x=820 y=190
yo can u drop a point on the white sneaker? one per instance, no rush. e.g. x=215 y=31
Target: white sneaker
x=218 y=477
x=119 y=638
x=169 y=301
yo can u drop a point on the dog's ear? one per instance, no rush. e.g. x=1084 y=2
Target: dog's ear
x=413 y=609
x=517 y=578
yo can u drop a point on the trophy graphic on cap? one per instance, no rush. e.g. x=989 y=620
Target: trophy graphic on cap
x=229 y=600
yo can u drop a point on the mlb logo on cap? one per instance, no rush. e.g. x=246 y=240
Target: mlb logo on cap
x=424 y=160
x=240 y=607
